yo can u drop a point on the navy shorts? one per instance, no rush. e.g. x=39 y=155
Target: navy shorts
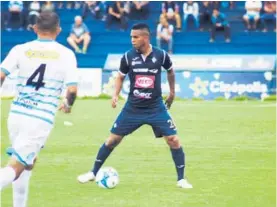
x=131 y=119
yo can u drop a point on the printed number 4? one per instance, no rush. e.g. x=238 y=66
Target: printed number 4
x=39 y=83
x=172 y=125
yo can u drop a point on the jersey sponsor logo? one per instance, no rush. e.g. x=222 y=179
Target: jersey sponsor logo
x=27 y=102
x=136 y=63
x=140 y=70
x=142 y=95
x=42 y=54
x=145 y=81
x=145 y=70
x=153 y=70
x=134 y=59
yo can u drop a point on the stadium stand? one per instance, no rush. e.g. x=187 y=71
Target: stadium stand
x=115 y=41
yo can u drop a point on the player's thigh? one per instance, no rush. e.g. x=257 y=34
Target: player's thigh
x=163 y=124
x=126 y=123
x=31 y=137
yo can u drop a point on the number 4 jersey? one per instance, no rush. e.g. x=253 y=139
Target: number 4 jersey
x=45 y=66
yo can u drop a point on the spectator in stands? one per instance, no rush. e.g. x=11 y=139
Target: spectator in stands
x=219 y=22
x=269 y=14
x=139 y=10
x=15 y=15
x=253 y=9
x=79 y=33
x=170 y=10
x=205 y=14
x=227 y=4
x=165 y=34
x=95 y=8
x=116 y=13
x=34 y=10
x=69 y=4
x=191 y=9
x=48 y=6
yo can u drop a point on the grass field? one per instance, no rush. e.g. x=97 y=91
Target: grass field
x=230 y=152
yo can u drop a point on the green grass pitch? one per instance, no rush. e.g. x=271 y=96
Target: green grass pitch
x=230 y=154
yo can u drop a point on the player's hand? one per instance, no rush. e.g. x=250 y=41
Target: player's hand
x=169 y=100
x=64 y=108
x=114 y=101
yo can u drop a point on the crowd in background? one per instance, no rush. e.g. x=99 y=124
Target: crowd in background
x=174 y=17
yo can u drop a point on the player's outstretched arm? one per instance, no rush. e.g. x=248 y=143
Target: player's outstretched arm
x=68 y=102
x=171 y=82
x=118 y=85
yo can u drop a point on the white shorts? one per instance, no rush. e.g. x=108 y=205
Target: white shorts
x=27 y=136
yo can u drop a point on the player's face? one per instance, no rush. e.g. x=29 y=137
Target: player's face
x=138 y=38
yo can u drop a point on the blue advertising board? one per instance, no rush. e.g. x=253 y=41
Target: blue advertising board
x=207 y=85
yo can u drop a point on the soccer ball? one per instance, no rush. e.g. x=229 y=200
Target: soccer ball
x=107 y=177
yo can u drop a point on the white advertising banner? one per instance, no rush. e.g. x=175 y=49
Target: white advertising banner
x=210 y=62
x=90 y=82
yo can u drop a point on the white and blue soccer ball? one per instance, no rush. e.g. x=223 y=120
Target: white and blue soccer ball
x=107 y=177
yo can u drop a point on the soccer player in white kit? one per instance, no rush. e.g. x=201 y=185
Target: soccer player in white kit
x=44 y=67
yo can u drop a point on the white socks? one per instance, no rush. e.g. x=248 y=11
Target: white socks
x=7 y=176
x=21 y=189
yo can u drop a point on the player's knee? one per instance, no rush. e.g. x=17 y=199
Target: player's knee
x=17 y=167
x=173 y=141
x=113 y=141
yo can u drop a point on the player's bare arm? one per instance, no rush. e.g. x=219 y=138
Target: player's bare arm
x=68 y=102
x=118 y=85
x=171 y=82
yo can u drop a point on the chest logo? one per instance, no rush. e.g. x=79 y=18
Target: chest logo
x=144 y=81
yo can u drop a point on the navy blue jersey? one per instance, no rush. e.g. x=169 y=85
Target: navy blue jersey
x=145 y=76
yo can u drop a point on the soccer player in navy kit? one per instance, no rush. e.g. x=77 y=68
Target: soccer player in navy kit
x=145 y=105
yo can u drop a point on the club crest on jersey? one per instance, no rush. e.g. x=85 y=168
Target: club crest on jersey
x=154 y=60
x=144 y=81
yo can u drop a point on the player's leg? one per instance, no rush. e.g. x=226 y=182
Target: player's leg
x=178 y=156
x=10 y=173
x=14 y=168
x=124 y=125
x=105 y=150
x=163 y=126
x=21 y=187
x=103 y=153
x=25 y=148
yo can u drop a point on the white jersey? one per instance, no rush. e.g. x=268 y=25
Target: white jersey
x=44 y=66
